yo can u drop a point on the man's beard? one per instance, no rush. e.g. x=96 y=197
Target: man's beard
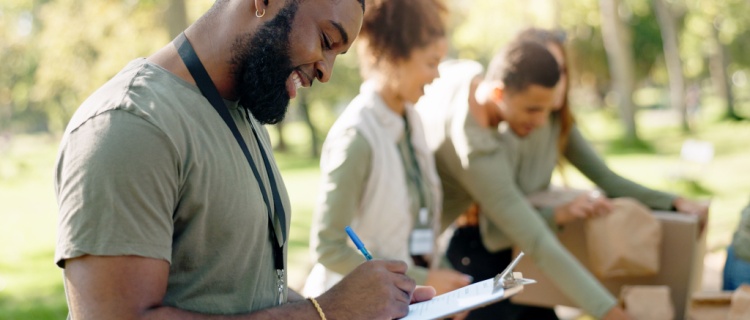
x=262 y=65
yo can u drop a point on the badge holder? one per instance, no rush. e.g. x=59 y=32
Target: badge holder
x=422 y=238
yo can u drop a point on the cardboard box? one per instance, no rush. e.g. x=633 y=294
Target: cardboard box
x=710 y=306
x=647 y=302
x=681 y=265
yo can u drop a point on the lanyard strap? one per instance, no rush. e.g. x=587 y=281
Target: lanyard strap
x=209 y=91
x=417 y=177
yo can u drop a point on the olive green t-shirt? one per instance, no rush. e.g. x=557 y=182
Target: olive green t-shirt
x=148 y=168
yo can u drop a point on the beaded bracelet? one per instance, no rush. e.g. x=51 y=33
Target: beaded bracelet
x=317 y=307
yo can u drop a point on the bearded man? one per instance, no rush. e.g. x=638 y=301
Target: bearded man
x=171 y=205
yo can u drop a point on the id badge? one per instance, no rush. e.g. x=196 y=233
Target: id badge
x=421 y=241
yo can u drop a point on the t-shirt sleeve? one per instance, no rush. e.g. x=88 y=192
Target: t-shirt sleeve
x=580 y=153
x=344 y=170
x=116 y=180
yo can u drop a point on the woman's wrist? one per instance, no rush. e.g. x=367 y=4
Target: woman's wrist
x=561 y=215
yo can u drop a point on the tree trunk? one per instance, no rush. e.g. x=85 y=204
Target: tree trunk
x=304 y=107
x=281 y=145
x=556 y=14
x=176 y=17
x=621 y=64
x=673 y=61
x=718 y=64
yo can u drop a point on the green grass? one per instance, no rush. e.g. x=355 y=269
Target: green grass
x=30 y=283
x=31 y=286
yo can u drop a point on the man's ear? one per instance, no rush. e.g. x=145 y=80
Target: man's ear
x=260 y=7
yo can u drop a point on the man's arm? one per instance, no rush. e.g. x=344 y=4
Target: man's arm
x=294 y=296
x=132 y=287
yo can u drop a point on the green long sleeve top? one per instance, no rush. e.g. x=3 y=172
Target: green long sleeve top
x=475 y=165
x=340 y=204
x=535 y=157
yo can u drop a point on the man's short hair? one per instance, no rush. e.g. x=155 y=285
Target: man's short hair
x=218 y=3
x=523 y=63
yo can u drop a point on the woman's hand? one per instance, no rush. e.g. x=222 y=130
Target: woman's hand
x=617 y=313
x=589 y=205
x=446 y=280
x=692 y=207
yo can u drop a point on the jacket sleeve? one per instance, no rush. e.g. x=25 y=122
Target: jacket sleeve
x=489 y=180
x=344 y=174
x=580 y=153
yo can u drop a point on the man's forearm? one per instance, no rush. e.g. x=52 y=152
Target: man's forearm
x=300 y=309
x=294 y=296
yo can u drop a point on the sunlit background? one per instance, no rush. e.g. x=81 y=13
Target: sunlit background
x=685 y=77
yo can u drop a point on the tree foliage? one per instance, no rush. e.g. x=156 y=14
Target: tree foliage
x=57 y=52
x=60 y=51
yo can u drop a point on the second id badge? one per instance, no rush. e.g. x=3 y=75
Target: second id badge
x=422 y=238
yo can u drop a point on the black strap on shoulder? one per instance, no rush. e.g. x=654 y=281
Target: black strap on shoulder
x=209 y=91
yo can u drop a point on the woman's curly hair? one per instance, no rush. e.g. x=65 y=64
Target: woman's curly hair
x=392 y=29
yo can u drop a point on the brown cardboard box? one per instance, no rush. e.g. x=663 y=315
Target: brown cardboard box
x=681 y=262
x=647 y=302
x=710 y=306
x=740 y=309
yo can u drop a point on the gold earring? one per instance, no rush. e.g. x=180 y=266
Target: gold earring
x=260 y=14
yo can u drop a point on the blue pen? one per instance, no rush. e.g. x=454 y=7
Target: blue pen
x=357 y=242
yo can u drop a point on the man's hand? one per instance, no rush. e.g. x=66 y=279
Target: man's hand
x=423 y=293
x=377 y=289
x=692 y=207
x=588 y=205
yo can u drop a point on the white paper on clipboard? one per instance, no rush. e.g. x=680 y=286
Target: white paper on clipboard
x=502 y=286
x=466 y=298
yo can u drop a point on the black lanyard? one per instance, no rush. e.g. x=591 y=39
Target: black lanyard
x=209 y=91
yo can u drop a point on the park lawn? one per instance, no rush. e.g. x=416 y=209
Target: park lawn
x=31 y=286
x=30 y=283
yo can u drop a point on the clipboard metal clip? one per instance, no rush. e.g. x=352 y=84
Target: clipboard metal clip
x=509 y=279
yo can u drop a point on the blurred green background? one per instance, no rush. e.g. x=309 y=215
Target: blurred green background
x=684 y=76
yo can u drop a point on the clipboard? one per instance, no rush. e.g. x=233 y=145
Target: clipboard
x=476 y=295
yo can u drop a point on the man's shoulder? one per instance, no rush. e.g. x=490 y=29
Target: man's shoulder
x=140 y=88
